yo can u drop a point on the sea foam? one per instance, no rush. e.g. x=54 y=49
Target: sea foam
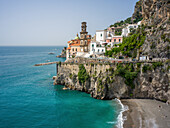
x=120 y=117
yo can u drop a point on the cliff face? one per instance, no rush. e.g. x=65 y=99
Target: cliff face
x=137 y=15
x=155 y=15
x=104 y=83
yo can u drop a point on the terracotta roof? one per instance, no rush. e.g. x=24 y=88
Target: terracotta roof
x=75 y=45
x=68 y=41
x=68 y=48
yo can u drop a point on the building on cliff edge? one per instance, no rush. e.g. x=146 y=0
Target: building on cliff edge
x=80 y=45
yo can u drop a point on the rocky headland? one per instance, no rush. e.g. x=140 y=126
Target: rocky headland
x=63 y=53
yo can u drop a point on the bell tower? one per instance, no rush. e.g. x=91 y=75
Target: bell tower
x=83 y=37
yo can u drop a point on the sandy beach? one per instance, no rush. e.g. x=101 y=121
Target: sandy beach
x=145 y=113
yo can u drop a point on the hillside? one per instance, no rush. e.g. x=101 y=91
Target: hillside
x=152 y=38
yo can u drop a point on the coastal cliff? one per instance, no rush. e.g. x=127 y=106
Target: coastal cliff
x=155 y=15
x=148 y=79
x=117 y=80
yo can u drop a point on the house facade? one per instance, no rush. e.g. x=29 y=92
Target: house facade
x=96 y=48
x=101 y=35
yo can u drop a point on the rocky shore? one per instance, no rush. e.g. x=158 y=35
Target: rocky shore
x=63 y=53
x=145 y=113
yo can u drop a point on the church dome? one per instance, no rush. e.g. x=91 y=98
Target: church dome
x=77 y=37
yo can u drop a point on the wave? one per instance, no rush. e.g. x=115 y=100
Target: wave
x=120 y=117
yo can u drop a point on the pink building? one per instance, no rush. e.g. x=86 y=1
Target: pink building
x=117 y=39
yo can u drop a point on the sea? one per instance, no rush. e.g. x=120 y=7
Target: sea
x=28 y=98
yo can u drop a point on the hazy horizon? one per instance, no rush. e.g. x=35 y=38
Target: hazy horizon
x=54 y=22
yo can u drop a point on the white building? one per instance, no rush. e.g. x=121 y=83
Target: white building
x=96 y=48
x=127 y=30
x=101 y=35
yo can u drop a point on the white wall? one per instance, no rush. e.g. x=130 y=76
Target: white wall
x=101 y=36
x=124 y=32
x=95 y=49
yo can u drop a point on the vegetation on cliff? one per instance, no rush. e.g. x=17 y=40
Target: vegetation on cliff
x=82 y=74
x=130 y=44
x=128 y=73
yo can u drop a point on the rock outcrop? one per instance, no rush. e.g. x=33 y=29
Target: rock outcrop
x=63 y=53
x=156 y=15
x=104 y=83
x=137 y=15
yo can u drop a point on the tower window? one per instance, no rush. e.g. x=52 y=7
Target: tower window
x=85 y=42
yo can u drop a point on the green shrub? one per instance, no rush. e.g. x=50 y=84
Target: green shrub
x=163 y=37
x=92 y=64
x=82 y=74
x=138 y=65
x=157 y=64
x=71 y=75
x=146 y=67
x=131 y=95
x=100 y=86
x=59 y=63
x=129 y=75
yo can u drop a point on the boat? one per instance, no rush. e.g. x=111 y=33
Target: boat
x=51 y=53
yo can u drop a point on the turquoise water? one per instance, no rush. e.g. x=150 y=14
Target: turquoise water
x=28 y=97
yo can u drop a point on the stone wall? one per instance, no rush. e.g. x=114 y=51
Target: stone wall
x=103 y=83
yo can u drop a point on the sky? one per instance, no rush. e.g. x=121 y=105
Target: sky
x=54 y=22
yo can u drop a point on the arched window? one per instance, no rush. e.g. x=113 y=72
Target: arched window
x=85 y=42
x=76 y=49
x=73 y=49
x=101 y=35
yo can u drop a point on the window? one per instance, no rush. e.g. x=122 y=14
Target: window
x=110 y=40
x=101 y=35
x=85 y=42
x=119 y=40
x=98 y=50
x=92 y=45
x=76 y=49
x=85 y=36
x=81 y=42
x=114 y=40
x=73 y=49
x=102 y=50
